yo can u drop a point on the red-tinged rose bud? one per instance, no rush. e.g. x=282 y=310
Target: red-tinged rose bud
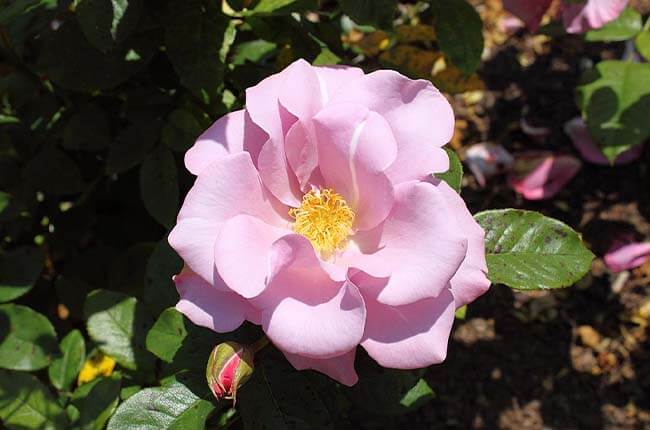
x=229 y=367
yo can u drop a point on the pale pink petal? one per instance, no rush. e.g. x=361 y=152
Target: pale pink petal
x=208 y=306
x=582 y=17
x=539 y=176
x=530 y=11
x=304 y=310
x=407 y=337
x=486 y=160
x=627 y=256
x=419 y=247
x=339 y=368
x=589 y=149
x=355 y=146
x=470 y=281
x=230 y=134
x=420 y=117
x=301 y=92
x=193 y=239
x=242 y=253
x=228 y=187
x=332 y=78
x=301 y=152
x=276 y=174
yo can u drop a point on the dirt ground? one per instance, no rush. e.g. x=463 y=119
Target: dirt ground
x=570 y=359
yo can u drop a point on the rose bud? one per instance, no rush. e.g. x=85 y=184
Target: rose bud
x=229 y=367
x=589 y=149
x=541 y=175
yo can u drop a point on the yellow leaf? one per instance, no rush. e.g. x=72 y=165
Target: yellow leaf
x=448 y=78
x=415 y=33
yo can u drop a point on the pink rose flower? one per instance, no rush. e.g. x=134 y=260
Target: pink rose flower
x=578 y=17
x=589 y=149
x=539 y=175
x=314 y=214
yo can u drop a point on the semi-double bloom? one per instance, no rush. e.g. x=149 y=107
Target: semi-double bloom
x=316 y=216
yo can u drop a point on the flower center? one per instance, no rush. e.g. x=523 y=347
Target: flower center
x=324 y=218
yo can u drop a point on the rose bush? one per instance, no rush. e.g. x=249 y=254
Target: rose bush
x=314 y=214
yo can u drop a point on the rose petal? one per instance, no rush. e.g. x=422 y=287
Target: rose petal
x=242 y=253
x=627 y=256
x=209 y=307
x=541 y=176
x=228 y=187
x=230 y=134
x=419 y=247
x=304 y=310
x=486 y=160
x=339 y=368
x=530 y=11
x=589 y=149
x=410 y=336
x=470 y=281
x=355 y=146
x=420 y=117
x=582 y=17
x=193 y=239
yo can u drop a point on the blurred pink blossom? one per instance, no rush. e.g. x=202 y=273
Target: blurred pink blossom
x=486 y=160
x=625 y=255
x=589 y=149
x=541 y=175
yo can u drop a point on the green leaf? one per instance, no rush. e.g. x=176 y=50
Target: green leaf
x=132 y=146
x=282 y=7
x=13 y=9
x=643 y=43
x=615 y=101
x=460 y=32
x=72 y=62
x=119 y=325
x=461 y=312
x=27 y=339
x=378 y=13
x=454 y=176
x=254 y=51
x=87 y=130
x=528 y=251
x=52 y=171
x=159 y=289
x=25 y=403
x=19 y=271
x=626 y=26
x=194 y=32
x=388 y=392
x=64 y=370
x=106 y=23
x=420 y=394
x=96 y=401
x=159 y=186
x=279 y=397
x=181 y=130
x=167 y=335
x=173 y=406
x=174 y=339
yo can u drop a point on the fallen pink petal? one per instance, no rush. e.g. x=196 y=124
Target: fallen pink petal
x=486 y=160
x=625 y=256
x=541 y=175
x=590 y=15
x=530 y=12
x=577 y=130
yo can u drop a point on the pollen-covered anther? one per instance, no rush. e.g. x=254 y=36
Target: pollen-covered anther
x=324 y=218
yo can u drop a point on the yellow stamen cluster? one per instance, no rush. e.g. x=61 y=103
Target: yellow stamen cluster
x=324 y=218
